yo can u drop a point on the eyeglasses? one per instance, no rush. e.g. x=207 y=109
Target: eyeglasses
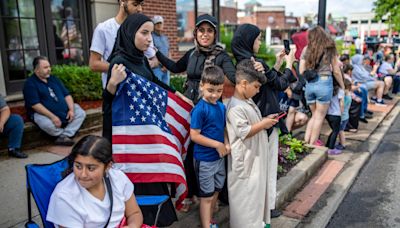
x=52 y=94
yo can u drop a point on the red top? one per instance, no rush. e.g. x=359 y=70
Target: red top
x=300 y=40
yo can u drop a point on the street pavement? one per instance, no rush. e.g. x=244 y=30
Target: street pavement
x=373 y=200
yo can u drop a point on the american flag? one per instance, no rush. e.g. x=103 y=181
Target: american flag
x=150 y=133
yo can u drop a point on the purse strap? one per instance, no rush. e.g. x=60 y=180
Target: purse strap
x=110 y=195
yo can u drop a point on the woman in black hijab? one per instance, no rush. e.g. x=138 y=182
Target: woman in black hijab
x=245 y=45
x=133 y=38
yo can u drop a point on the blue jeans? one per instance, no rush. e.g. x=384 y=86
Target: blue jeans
x=14 y=130
x=319 y=90
x=161 y=75
x=364 y=100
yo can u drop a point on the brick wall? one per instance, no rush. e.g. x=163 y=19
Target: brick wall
x=228 y=15
x=167 y=9
x=276 y=20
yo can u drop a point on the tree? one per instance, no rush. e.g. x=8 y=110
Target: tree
x=391 y=8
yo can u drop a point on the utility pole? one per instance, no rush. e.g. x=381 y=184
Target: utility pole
x=322 y=13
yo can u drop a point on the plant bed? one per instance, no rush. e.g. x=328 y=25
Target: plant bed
x=291 y=151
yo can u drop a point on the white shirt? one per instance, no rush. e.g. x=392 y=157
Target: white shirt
x=103 y=41
x=334 y=106
x=72 y=206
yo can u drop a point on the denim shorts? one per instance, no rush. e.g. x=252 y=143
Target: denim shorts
x=319 y=90
x=343 y=124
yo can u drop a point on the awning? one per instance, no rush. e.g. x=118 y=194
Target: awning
x=332 y=29
x=383 y=33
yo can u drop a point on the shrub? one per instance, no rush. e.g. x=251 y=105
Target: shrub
x=82 y=83
x=177 y=82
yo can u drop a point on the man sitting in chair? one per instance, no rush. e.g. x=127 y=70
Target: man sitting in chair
x=50 y=105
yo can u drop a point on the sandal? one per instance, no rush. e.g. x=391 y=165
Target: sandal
x=186 y=206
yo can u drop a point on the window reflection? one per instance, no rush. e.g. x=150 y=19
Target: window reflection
x=185 y=23
x=204 y=6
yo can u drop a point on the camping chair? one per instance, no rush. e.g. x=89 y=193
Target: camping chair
x=41 y=179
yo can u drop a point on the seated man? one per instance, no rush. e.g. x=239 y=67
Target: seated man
x=389 y=73
x=50 y=105
x=367 y=79
x=12 y=127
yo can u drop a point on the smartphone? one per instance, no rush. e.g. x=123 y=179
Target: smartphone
x=282 y=114
x=286 y=44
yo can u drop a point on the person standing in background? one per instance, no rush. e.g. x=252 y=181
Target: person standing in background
x=161 y=42
x=104 y=37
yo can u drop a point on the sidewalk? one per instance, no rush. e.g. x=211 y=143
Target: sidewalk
x=360 y=145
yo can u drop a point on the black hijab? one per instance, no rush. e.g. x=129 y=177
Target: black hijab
x=125 y=41
x=243 y=41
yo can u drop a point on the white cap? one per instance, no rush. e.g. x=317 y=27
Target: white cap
x=305 y=26
x=158 y=19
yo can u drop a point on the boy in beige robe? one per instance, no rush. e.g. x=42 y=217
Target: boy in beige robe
x=248 y=162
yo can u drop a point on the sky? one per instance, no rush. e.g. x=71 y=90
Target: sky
x=336 y=7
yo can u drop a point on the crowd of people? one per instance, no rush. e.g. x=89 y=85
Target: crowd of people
x=233 y=154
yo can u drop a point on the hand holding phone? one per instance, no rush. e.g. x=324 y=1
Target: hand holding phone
x=286 y=44
x=281 y=115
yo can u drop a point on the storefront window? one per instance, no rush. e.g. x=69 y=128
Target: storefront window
x=21 y=39
x=185 y=23
x=204 y=7
x=67 y=34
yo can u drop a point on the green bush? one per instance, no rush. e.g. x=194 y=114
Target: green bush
x=177 y=82
x=82 y=83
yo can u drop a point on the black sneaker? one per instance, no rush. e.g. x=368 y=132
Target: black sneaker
x=16 y=153
x=368 y=116
x=363 y=120
x=370 y=112
x=275 y=213
x=64 y=141
x=387 y=97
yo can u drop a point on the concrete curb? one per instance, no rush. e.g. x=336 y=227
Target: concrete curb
x=288 y=185
x=330 y=201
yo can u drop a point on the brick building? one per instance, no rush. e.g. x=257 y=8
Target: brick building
x=38 y=27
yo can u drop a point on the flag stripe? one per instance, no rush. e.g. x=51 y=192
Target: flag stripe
x=180 y=102
x=143 y=149
x=147 y=158
x=140 y=139
x=178 y=117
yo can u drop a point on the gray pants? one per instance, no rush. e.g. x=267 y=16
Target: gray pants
x=48 y=126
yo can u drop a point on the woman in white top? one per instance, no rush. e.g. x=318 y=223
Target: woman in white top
x=82 y=198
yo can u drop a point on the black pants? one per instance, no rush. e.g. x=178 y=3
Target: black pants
x=354 y=115
x=334 y=123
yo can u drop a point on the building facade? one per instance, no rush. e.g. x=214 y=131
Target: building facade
x=62 y=30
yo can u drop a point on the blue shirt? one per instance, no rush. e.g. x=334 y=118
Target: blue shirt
x=210 y=119
x=51 y=95
x=161 y=43
x=347 y=104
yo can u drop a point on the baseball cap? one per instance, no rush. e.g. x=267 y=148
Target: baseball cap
x=305 y=26
x=206 y=18
x=158 y=19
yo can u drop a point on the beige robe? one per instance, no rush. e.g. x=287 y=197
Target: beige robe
x=247 y=166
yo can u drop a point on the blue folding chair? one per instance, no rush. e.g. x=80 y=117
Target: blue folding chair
x=41 y=179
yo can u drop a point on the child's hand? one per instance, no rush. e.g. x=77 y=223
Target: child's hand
x=270 y=121
x=221 y=149
x=227 y=148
